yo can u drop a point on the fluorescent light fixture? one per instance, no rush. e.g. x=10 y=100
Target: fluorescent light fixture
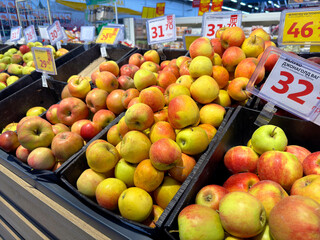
x=256 y=8
x=269 y=1
x=249 y=6
x=244 y=12
x=243 y=4
x=234 y=1
x=276 y=5
x=228 y=8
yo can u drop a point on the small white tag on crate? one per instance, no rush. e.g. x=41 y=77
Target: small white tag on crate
x=44 y=80
x=58 y=45
x=103 y=51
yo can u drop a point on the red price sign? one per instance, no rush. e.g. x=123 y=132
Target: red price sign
x=30 y=34
x=161 y=29
x=15 y=34
x=55 y=32
x=214 y=21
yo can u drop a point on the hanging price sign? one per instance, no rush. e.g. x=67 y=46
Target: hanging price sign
x=87 y=33
x=15 y=34
x=211 y=22
x=108 y=35
x=30 y=34
x=55 y=32
x=161 y=29
x=293 y=85
x=44 y=60
x=299 y=26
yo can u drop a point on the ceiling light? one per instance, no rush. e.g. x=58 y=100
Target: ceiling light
x=256 y=8
x=249 y=6
x=228 y=8
x=269 y=1
x=243 y=4
x=276 y=5
x=266 y=11
x=234 y=1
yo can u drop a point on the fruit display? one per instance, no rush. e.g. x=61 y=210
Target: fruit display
x=249 y=180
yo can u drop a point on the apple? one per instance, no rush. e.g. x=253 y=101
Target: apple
x=200 y=66
x=136 y=59
x=128 y=70
x=2 y=86
x=209 y=129
x=4 y=77
x=241 y=182
x=185 y=80
x=281 y=167
x=184 y=68
x=233 y=36
x=107 y=81
x=174 y=90
x=271 y=60
x=135 y=147
x=89 y=130
x=144 y=78
x=152 y=55
x=3 y=66
x=242 y=214
x=314 y=59
x=76 y=126
x=147 y=177
x=125 y=171
x=113 y=135
x=295 y=218
x=27 y=57
x=166 y=191
x=15 y=69
x=199 y=222
x=231 y=57
x=102 y=156
x=241 y=159
x=65 y=92
x=6 y=60
x=122 y=127
x=269 y=137
x=237 y=89
x=210 y=196
x=41 y=158
x=59 y=128
x=253 y=46
x=135 y=204
x=220 y=75
x=165 y=78
x=154 y=216
x=264 y=235
x=72 y=109
x=9 y=141
x=139 y=117
x=108 y=192
x=65 y=144
x=79 y=87
x=308 y=186
x=161 y=129
x=16 y=58
x=10 y=127
x=35 y=111
x=269 y=193
x=22 y=153
x=183 y=112
x=300 y=152
x=217 y=46
x=260 y=32
x=192 y=140
x=128 y=95
x=96 y=99
x=204 y=89
x=151 y=66
x=223 y=99
x=109 y=66
x=35 y=132
x=212 y=114
x=88 y=181
x=27 y=70
x=246 y=68
x=24 y=49
x=181 y=59
x=201 y=47
x=114 y=101
x=152 y=97
x=311 y=164
x=125 y=82
x=103 y=117
x=161 y=115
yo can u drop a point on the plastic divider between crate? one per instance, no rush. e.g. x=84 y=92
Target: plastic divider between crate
x=70 y=173
x=238 y=131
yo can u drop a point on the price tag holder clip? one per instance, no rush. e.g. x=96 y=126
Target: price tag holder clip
x=266 y=114
x=44 y=78
x=103 y=50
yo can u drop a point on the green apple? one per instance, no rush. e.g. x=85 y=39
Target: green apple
x=12 y=79
x=38 y=44
x=264 y=235
x=31 y=44
x=192 y=140
x=199 y=222
x=6 y=59
x=27 y=70
x=15 y=69
x=12 y=50
x=27 y=57
x=1 y=56
x=8 y=54
x=3 y=66
x=2 y=85
x=20 y=53
x=125 y=171
x=267 y=138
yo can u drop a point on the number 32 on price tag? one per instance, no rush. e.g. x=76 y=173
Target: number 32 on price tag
x=161 y=29
x=44 y=60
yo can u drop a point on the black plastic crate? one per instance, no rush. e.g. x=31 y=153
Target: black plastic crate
x=70 y=173
x=238 y=131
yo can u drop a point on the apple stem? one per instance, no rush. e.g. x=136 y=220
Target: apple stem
x=273 y=131
x=173 y=231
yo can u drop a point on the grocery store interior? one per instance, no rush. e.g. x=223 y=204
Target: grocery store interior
x=179 y=119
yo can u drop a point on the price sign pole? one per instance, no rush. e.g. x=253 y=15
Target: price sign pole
x=55 y=34
x=30 y=34
x=87 y=34
x=108 y=36
x=44 y=62
x=299 y=26
x=292 y=85
x=15 y=34
x=211 y=22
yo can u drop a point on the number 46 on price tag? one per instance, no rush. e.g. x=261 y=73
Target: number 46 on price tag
x=161 y=29
x=293 y=84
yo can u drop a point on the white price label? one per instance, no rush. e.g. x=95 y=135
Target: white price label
x=87 y=33
x=293 y=85
x=15 y=34
x=43 y=32
x=30 y=34
x=55 y=32
x=161 y=29
x=211 y=22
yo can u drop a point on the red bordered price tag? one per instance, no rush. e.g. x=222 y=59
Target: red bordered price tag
x=161 y=29
x=15 y=34
x=30 y=34
x=293 y=85
x=55 y=32
x=211 y=22
x=44 y=60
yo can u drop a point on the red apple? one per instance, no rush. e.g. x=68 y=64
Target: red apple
x=24 y=49
x=22 y=153
x=107 y=81
x=210 y=196
x=217 y=46
x=300 y=152
x=153 y=97
x=60 y=127
x=201 y=47
x=71 y=110
x=246 y=68
x=51 y=114
x=89 y=130
x=96 y=99
x=9 y=141
x=136 y=59
x=109 y=66
x=128 y=70
x=128 y=95
x=94 y=76
x=125 y=82
x=103 y=117
x=163 y=64
x=231 y=57
x=139 y=117
x=114 y=101
x=233 y=36
x=241 y=182
x=165 y=78
x=237 y=89
x=184 y=68
x=76 y=126
x=311 y=164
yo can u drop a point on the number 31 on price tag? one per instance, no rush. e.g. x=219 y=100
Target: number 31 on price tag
x=44 y=60
x=161 y=29
x=293 y=84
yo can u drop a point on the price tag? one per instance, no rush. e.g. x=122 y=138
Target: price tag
x=108 y=35
x=43 y=32
x=44 y=60
x=211 y=22
x=15 y=34
x=161 y=29
x=87 y=33
x=55 y=33
x=299 y=26
x=293 y=85
x=30 y=34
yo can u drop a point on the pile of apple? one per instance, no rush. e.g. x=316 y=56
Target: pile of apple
x=273 y=193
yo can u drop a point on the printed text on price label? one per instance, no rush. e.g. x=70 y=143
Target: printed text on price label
x=214 y=21
x=108 y=35
x=161 y=29
x=44 y=60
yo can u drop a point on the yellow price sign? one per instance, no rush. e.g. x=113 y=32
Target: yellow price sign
x=108 y=35
x=301 y=27
x=44 y=60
